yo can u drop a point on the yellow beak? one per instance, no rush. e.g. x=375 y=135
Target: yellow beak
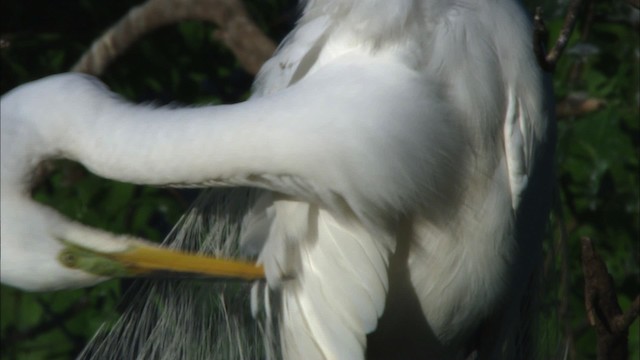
x=145 y=260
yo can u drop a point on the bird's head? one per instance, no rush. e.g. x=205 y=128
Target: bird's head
x=43 y=251
x=38 y=248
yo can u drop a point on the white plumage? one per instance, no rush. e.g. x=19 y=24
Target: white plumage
x=403 y=151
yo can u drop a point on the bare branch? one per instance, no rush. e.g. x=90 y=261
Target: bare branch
x=540 y=39
x=548 y=62
x=248 y=43
x=625 y=320
x=603 y=310
x=578 y=104
x=565 y=33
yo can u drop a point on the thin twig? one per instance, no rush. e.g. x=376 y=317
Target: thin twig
x=235 y=29
x=56 y=320
x=548 y=62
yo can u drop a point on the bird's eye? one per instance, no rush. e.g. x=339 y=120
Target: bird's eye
x=68 y=258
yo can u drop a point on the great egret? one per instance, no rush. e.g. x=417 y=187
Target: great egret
x=403 y=154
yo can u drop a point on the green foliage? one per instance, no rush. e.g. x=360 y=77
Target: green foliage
x=597 y=157
x=598 y=188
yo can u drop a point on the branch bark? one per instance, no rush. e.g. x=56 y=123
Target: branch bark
x=578 y=104
x=549 y=60
x=235 y=29
x=603 y=310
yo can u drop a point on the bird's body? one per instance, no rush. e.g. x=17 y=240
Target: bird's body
x=402 y=151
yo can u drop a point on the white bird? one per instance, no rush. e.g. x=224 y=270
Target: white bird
x=403 y=154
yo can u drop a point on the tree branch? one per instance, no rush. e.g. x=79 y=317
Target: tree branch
x=603 y=310
x=625 y=320
x=540 y=39
x=578 y=104
x=236 y=30
x=540 y=35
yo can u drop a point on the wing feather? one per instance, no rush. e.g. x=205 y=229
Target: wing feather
x=337 y=291
x=294 y=57
x=517 y=143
